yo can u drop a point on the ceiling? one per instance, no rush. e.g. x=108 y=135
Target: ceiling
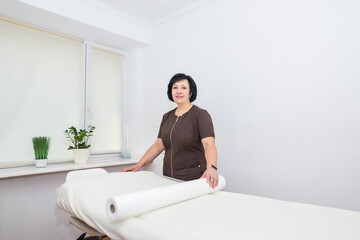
x=149 y=12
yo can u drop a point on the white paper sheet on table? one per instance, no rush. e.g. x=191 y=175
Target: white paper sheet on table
x=220 y=215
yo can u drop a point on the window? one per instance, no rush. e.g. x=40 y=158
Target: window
x=105 y=98
x=47 y=85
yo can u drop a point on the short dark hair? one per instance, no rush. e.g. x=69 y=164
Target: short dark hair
x=178 y=77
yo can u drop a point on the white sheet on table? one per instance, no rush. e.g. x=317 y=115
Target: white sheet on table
x=219 y=215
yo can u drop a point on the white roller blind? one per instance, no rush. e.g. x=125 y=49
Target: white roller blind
x=106 y=100
x=40 y=92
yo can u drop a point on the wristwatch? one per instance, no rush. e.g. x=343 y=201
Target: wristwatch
x=213 y=167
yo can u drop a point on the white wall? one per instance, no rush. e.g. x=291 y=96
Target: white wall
x=134 y=100
x=281 y=81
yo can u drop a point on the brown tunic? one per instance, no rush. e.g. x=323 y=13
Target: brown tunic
x=184 y=153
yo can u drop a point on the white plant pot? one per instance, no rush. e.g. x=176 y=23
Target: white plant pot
x=81 y=156
x=40 y=163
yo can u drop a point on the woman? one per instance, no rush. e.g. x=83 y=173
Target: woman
x=187 y=136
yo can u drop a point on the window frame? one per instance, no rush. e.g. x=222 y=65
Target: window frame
x=87 y=45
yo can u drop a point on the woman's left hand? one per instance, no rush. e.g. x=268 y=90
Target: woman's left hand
x=211 y=176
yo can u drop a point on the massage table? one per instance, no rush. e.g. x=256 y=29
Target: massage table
x=86 y=196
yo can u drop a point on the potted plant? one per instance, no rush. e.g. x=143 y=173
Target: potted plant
x=79 y=139
x=41 y=147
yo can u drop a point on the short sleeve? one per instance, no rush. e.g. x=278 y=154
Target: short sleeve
x=205 y=125
x=161 y=126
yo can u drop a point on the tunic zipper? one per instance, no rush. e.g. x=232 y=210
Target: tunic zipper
x=172 y=148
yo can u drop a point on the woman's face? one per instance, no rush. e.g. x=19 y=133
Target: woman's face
x=181 y=92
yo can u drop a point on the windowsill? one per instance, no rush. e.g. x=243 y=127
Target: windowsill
x=62 y=167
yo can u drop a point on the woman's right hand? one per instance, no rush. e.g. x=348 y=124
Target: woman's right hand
x=134 y=168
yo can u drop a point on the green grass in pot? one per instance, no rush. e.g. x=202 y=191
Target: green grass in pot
x=41 y=147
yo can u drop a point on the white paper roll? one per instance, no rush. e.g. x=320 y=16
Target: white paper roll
x=134 y=204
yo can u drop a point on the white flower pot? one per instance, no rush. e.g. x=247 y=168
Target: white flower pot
x=81 y=156
x=40 y=163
